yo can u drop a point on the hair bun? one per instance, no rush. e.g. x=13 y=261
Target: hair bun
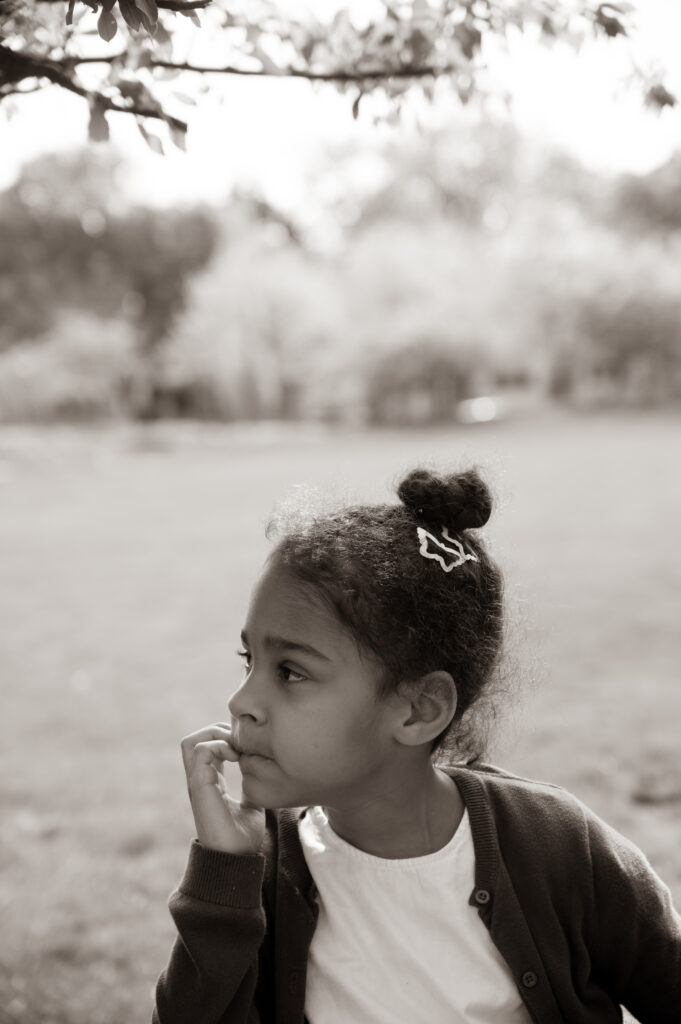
x=460 y=501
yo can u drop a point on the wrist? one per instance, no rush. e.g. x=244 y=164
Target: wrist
x=222 y=877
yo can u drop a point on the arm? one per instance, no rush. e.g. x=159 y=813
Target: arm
x=637 y=949
x=213 y=968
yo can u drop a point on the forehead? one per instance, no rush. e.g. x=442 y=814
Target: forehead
x=284 y=606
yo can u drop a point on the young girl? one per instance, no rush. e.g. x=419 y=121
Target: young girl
x=356 y=882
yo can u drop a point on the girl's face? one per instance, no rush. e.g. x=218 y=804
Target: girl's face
x=306 y=716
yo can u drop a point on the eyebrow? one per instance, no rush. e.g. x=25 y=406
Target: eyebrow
x=280 y=643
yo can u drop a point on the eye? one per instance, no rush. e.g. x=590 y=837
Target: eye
x=245 y=657
x=290 y=675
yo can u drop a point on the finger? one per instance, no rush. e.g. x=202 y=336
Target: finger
x=208 y=754
x=216 y=730
x=206 y=765
x=210 y=732
x=210 y=751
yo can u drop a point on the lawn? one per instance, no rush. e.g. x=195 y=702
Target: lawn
x=126 y=558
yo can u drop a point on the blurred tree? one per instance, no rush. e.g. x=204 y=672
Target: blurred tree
x=446 y=284
x=423 y=382
x=608 y=316
x=400 y=45
x=89 y=371
x=470 y=247
x=652 y=201
x=631 y=344
x=69 y=241
x=261 y=310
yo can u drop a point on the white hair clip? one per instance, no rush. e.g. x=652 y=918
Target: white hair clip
x=455 y=554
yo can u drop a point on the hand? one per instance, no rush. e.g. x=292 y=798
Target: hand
x=222 y=823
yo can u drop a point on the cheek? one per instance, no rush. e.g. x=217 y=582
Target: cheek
x=332 y=737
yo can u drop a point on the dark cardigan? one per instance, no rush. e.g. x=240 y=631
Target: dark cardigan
x=581 y=919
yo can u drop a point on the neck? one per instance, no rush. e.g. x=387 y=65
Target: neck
x=413 y=813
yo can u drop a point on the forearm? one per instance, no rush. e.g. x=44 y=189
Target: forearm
x=213 y=969
x=638 y=931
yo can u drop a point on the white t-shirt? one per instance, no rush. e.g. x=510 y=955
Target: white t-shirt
x=397 y=940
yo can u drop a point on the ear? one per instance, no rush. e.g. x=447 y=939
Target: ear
x=428 y=706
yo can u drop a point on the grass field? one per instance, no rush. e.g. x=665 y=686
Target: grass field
x=125 y=562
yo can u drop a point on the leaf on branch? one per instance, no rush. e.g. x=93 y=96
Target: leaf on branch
x=469 y=39
x=547 y=27
x=131 y=13
x=107 y=26
x=152 y=141
x=420 y=44
x=149 y=13
x=659 y=96
x=98 y=126
x=610 y=24
x=308 y=48
x=141 y=59
x=163 y=37
x=355 y=105
x=136 y=91
x=268 y=64
x=193 y=17
x=184 y=97
x=179 y=136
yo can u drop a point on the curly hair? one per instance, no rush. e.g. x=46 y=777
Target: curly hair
x=364 y=561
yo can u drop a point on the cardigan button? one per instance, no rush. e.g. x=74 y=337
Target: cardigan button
x=482 y=897
x=529 y=979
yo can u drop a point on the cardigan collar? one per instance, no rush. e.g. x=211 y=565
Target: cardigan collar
x=472 y=790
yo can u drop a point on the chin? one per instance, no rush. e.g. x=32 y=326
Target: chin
x=260 y=794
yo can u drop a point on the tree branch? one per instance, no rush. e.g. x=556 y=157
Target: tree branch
x=19 y=65
x=72 y=61
x=403 y=71
x=177 y=5
x=165 y=5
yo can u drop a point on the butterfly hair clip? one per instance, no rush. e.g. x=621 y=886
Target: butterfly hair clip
x=450 y=552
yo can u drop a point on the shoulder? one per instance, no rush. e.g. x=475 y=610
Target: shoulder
x=541 y=820
x=510 y=794
x=531 y=814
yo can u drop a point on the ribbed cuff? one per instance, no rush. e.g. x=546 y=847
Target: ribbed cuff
x=228 y=879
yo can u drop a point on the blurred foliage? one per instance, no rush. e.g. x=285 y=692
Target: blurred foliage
x=475 y=264
x=653 y=202
x=70 y=240
x=88 y=371
x=396 y=47
x=418 y=275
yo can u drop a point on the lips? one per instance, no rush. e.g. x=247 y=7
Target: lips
x=247 y=750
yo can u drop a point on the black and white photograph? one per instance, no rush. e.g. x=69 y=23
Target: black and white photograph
x=340 y=512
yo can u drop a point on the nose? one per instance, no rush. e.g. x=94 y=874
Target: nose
x=247 y=701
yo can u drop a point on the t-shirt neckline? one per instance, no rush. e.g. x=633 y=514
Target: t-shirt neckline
x=334 y=842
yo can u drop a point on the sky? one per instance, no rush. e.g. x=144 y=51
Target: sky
x=266 y=133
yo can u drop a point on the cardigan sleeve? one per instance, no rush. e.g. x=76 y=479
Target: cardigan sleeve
x=637 y=947
x=212 y=973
